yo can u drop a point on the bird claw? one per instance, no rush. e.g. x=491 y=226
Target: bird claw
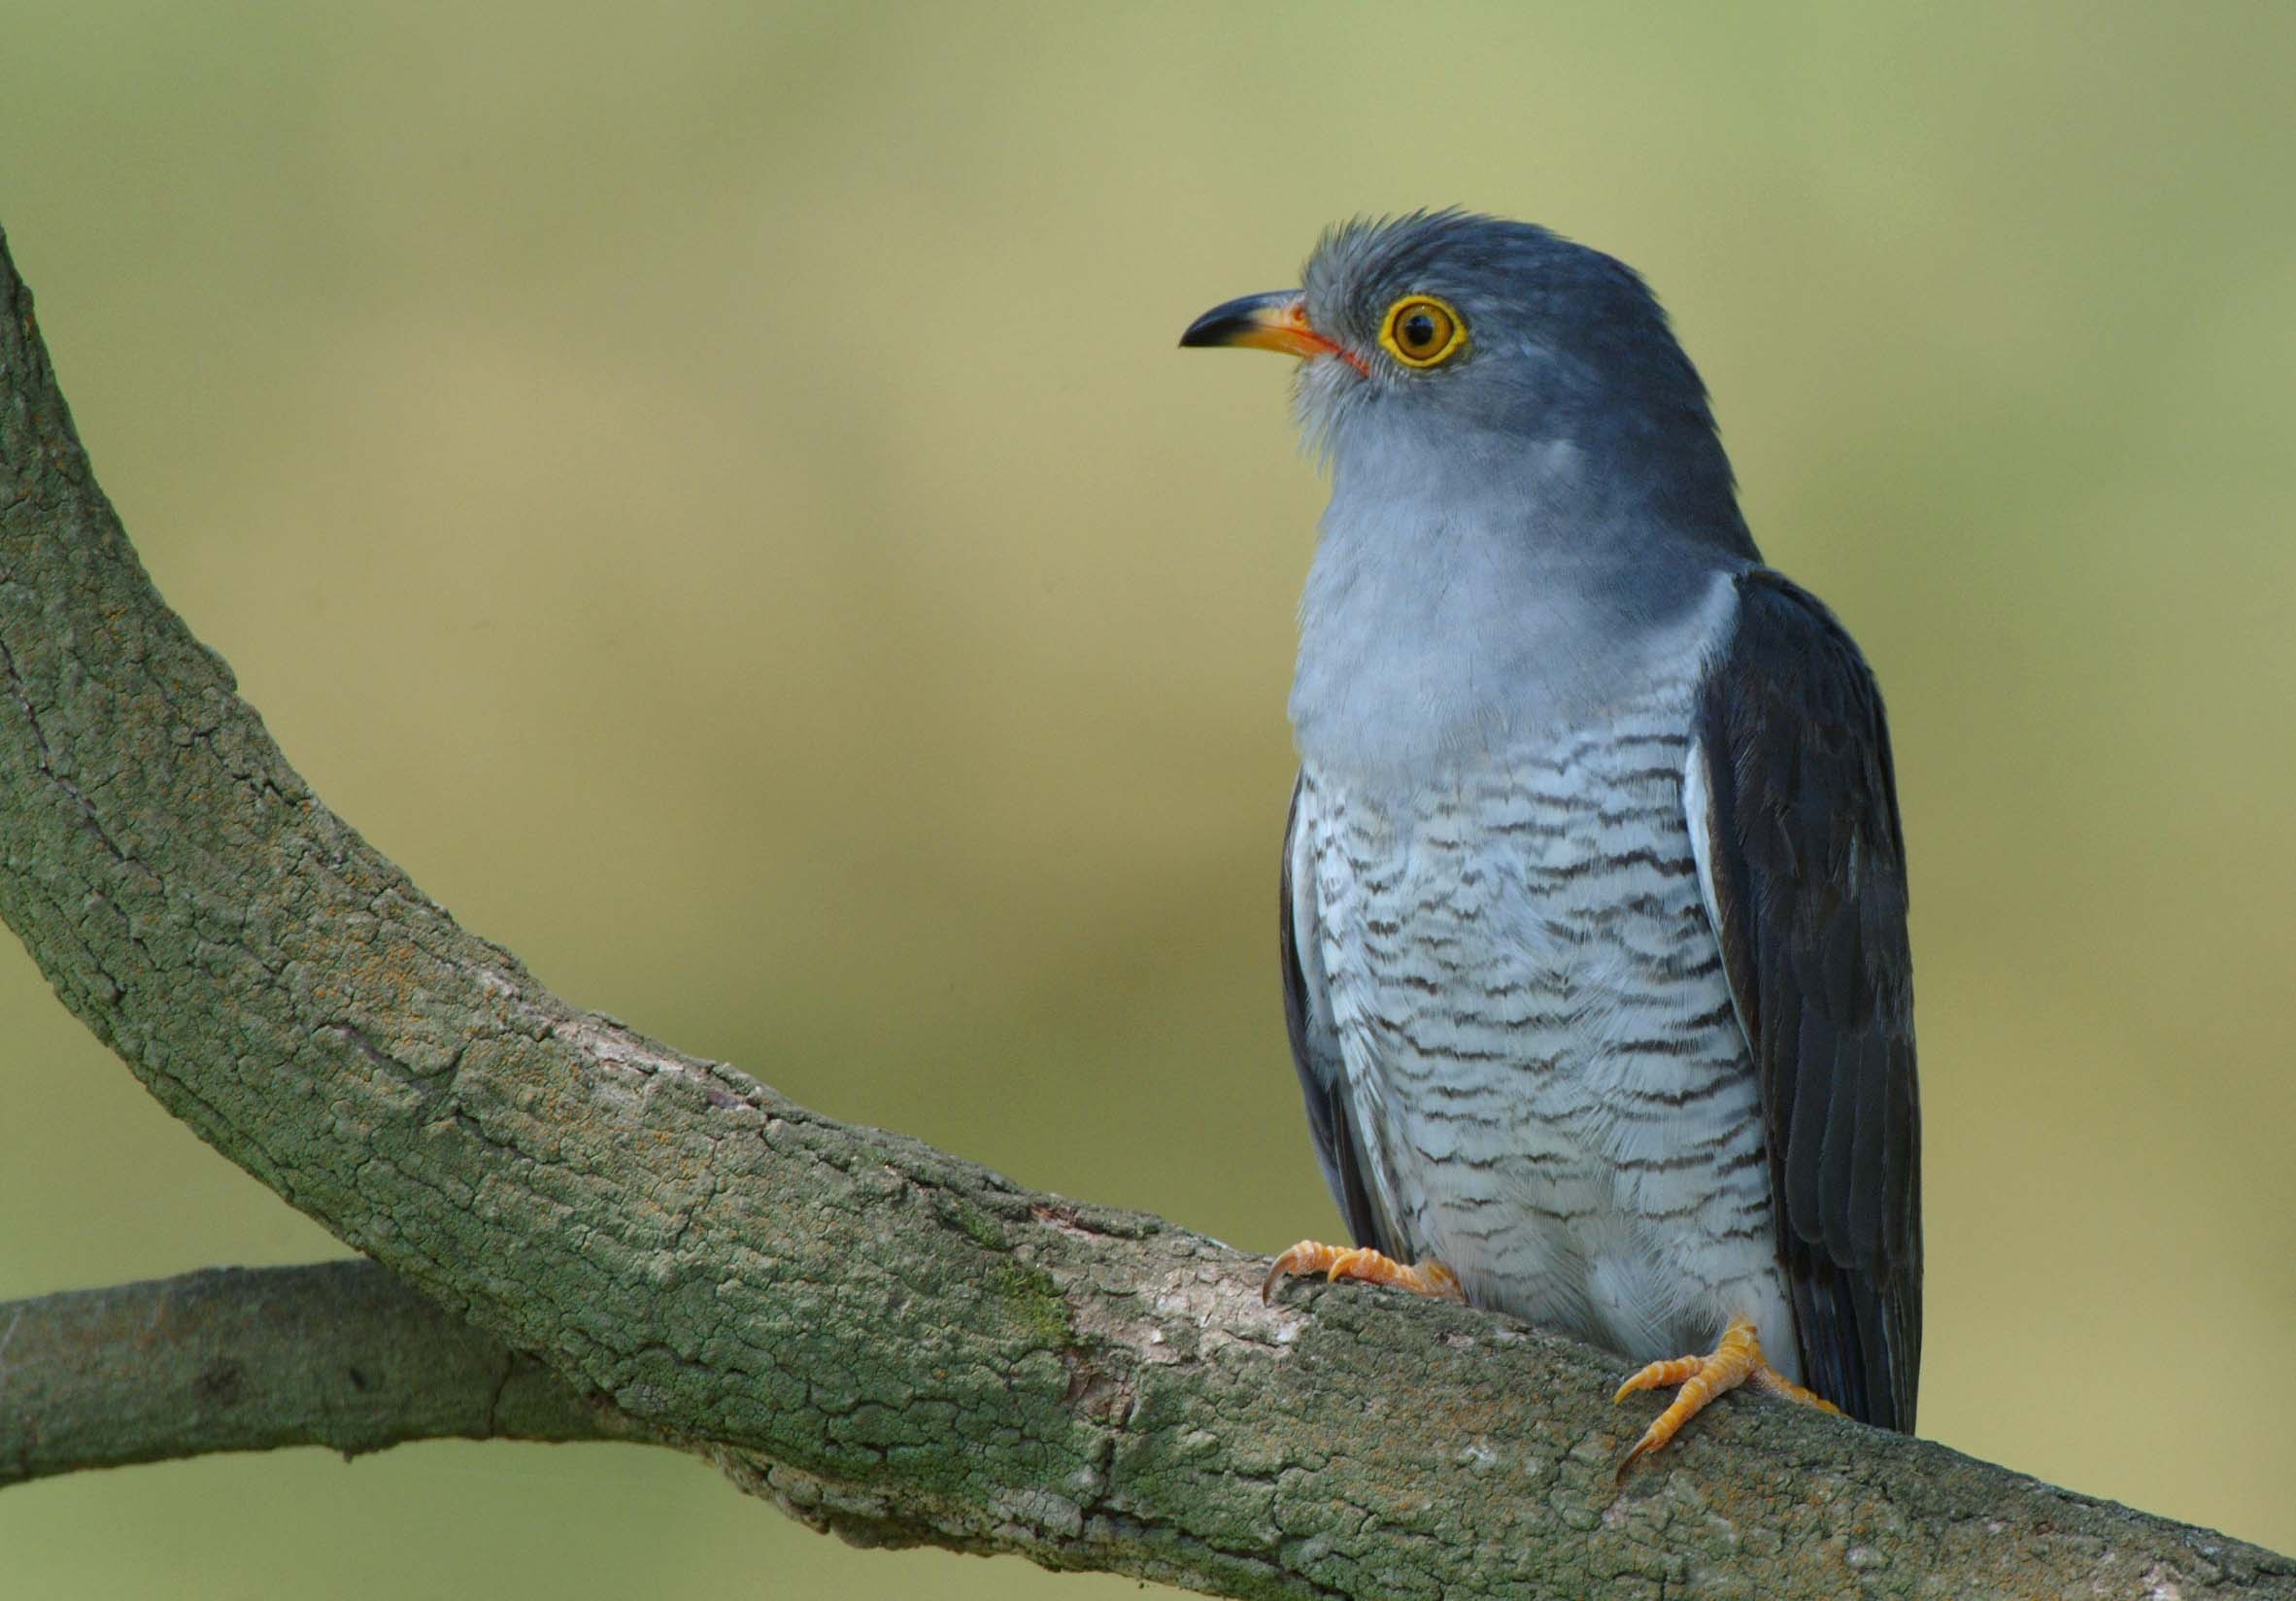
x=1431 y=1279
x=1737 y=1359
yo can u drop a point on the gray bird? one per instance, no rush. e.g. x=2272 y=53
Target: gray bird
x=1594 y=888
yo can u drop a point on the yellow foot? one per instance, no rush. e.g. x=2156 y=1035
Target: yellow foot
x=1736 y=1360
x=1338 y=1262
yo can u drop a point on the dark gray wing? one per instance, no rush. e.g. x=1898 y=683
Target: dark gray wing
x=1315 y=1049
x=1805 y=866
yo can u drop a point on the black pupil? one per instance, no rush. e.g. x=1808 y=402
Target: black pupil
x=1419 y=332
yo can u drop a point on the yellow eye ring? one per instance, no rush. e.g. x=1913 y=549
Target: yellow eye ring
x=1422 y=331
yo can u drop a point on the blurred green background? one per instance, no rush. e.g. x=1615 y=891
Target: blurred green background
x=712 y=492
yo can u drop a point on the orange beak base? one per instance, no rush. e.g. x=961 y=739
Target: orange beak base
x=1277 y=322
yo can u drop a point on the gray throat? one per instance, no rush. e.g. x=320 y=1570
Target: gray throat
x=1443 y=623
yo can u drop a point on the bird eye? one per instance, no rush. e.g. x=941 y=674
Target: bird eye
x=1422 y=331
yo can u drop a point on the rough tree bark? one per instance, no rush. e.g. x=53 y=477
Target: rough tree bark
x=886 y=1340
x=338 y=1354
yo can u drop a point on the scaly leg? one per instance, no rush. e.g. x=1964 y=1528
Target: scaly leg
x=1736 y=1360
x=1338 y=1262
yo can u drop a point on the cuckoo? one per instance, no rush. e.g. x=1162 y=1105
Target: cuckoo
x=1594 y=890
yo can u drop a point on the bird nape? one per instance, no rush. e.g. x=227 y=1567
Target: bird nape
x=1594 y=890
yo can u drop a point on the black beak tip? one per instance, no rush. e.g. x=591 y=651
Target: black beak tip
x=1226 y=324
x=1213 y=327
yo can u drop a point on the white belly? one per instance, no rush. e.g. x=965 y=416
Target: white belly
x=1539 y=1041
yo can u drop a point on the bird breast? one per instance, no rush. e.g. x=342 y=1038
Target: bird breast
x=1536 y=1032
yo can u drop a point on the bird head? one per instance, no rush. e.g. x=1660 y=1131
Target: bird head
x=1470 y=346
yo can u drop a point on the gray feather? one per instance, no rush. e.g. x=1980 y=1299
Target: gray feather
x=1593 y=933
x=1799 y=769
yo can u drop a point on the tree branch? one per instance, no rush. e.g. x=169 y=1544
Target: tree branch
x=885 y=1340
x=337 y=1354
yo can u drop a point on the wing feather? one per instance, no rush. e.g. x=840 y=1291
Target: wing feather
x=1805 y=857
x=1315 y=1047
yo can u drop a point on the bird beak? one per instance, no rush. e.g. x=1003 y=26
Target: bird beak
x=1277 y=322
